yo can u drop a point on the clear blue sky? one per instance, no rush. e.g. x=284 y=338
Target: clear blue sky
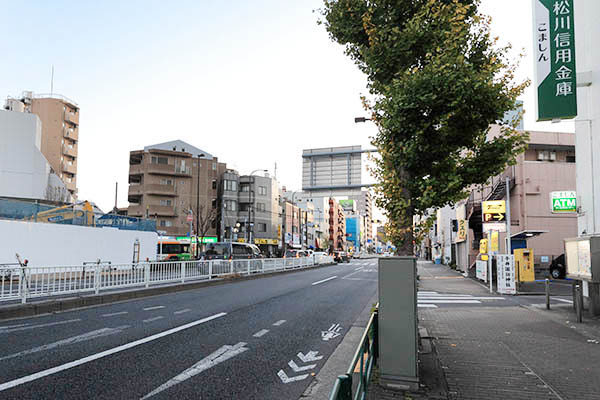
x=252 y=82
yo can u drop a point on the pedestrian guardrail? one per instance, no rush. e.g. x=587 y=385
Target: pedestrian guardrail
x=362 y=365
x=25 y=282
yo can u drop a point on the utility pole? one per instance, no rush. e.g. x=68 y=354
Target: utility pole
x=508 y=243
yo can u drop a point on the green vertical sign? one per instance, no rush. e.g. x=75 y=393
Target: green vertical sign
x=555 y=71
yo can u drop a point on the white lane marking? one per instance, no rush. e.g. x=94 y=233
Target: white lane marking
x=459 y=298
x=260 y=333
x=563 y=300
x=426 y=292
x=427 y=306
x=222 y=354
x=84 y=360
x=75 y=339
x=358 y=269
x=182 y=311
x=153 y=308
x=115 y=313
x=296 y=368
x=280 y=322
x=13 y=326
x=310 y=356
x=324 y=280
x=286 y=379
x=353 y=273
x=331 y=333
x=153 y=319
x=450 y=301
x=25 y=328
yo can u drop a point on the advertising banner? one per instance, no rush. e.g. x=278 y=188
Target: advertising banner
x=481 y=270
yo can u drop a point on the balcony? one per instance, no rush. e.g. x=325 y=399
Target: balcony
x=69 y=151
x=246 y=197
x=162 y=211
x=72 y=118
x=71 y=133
x=71 y=186
x=166 y=169
x=136 y=169
x=72 y=168
x=135 y=210
x=135 y=189
x=153 y=188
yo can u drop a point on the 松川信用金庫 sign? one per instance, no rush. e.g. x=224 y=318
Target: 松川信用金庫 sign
x=554 y=51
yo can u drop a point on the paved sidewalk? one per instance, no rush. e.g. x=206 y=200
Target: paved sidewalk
x=505 y=349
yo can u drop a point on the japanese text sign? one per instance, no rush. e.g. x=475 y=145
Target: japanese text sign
x=554 y=51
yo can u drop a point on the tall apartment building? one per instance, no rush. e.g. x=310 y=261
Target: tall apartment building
x=337 y=226
x=169 y=181
x=60 y=132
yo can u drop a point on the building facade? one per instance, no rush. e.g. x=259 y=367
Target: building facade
x=337 y=226
x=176 y=184
x=60 y=132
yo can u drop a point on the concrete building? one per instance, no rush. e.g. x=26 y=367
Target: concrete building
x=24 y=171
x=60 y=131
x=252 y=202
x=337 y=226
x=169 y=181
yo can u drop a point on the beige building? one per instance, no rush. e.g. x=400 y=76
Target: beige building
x=168 y=180
x=60 y=132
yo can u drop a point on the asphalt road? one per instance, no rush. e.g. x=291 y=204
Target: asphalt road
x=254 y=339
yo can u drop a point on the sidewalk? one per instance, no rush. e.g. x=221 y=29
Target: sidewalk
x=503 y=349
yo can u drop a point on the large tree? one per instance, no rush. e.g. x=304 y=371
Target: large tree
x=437 y=81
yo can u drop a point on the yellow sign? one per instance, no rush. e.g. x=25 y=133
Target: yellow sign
x=494 y=207
x=241 y=240
x=266 y=241
x=483 y=245
x=494 y=241
x=484 y=257
x=278 y=231
x=462 y=230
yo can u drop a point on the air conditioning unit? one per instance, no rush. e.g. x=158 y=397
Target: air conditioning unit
x=541 y=156
x=552 y=156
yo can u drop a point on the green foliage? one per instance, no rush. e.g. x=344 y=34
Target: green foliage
x=437 y=81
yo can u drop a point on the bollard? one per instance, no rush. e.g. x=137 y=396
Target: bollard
x=579 y=306
x=547 y=294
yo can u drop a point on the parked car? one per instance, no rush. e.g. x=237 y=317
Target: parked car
x=231 y=250
x=341 y=256
x=295 y=253
x=320 y=254
x=558 y=268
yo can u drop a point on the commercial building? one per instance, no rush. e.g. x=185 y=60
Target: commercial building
x=24 y=171
x=176 y=184
x=60 y=131
x=337 y=226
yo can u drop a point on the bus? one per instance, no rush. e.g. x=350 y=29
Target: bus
x=173 y=250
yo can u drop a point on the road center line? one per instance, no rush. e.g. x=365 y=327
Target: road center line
x=260 y=333
x=153 y=308
x=93 y=357
x=324 y=280
x=280 y=322
x=182 y=311
x=153 y=319
x=115 y=313
x=25 y=328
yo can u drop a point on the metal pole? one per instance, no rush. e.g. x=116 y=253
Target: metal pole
x=547 y=283
x=490 y=261
x=579 y=304
x=508 y=242
x=197 y=205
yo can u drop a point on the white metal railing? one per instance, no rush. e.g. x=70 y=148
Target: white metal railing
x=29 y=282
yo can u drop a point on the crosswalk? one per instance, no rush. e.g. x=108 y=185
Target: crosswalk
x=428 y=299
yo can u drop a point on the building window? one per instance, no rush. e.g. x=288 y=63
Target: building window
x=214 y=166
x=244 y=207
x=570 y=158
x=160 y=160
x=165 y=223
x=230 y=205
x=294 y=229
x=214 y=184
x=244 y=188
x=230 y=186
x=166 y=202
x=261 y=227
x=262 y=190
x=214 y=203
x=260 y=206
x=166 y=182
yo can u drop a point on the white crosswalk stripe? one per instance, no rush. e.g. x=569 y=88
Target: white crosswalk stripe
x=429 y=299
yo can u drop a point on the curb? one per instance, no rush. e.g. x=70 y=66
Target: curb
x=64 y=304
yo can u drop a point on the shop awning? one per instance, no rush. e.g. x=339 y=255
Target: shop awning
x=527 y=234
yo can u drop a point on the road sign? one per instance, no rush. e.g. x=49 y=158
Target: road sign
x=563 y=202
x=462 y=230
x=190 y=217
x=494 y=215
x=554 y=50
x=494 y=226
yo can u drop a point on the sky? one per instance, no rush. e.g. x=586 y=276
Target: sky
x=251 y=82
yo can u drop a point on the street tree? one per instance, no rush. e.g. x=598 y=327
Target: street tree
x=205 y=217
x=437 y=80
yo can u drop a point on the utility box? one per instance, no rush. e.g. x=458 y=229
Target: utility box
x=582 y=256
x=524 y=266
x=398 y=330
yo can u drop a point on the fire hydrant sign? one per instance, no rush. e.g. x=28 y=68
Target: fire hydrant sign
x=505 y=264
x=554 y=51
x=563 y=202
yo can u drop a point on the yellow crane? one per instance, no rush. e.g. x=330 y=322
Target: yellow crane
x=82 y=212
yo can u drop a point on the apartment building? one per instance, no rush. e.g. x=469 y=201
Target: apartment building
x=337 y=226
x=60 y=132
x=176 y=184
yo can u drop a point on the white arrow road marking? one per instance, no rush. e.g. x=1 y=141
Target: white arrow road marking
x=332 y=332
x=223 y=354
x=324 y=280
x=310 y=356
x=24 y=328
x=296 y=368
x=93 y=357
x=261 y=333
x=280 y=322
x=286 y=379
x=75 y=339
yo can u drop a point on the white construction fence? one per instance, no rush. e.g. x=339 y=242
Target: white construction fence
x=26 y=282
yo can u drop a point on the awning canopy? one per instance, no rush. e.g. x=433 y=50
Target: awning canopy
x=527 y=234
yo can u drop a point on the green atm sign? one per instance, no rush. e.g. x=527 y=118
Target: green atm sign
x=554 y=51
x=563 y=201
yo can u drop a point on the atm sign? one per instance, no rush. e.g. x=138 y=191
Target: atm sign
x=563 y=202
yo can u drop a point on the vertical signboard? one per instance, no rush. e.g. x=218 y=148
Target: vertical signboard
x=554 y=49
x=481 y=270
x=506 y=274
x=461 y=235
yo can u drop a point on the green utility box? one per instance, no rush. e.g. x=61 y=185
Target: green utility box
x=398 y=340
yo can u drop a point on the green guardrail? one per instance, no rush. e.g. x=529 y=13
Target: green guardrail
x=366 y=357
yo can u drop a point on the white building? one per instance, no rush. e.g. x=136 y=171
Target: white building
x=24 y=171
